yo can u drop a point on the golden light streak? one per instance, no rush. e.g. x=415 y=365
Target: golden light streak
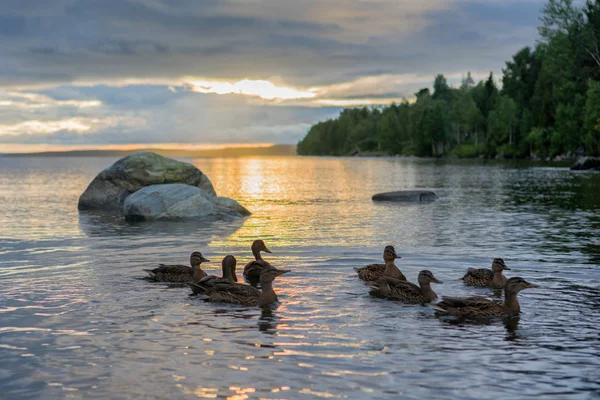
x=258 y=88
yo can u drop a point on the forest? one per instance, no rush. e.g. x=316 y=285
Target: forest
x=546 y=104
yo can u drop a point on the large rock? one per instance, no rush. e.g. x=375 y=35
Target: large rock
x=110 y=188
x=406 y=195
x=587 y=163
x=179 y=201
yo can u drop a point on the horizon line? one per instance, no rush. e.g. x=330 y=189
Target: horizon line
x=183 y=147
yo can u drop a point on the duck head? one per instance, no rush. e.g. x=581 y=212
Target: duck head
x=228 y=267
x=426 y=277
x=389 y=254
x=516 y=284
x=258 y=246
x=498 y=265
x=197 y=258
x=267 y=275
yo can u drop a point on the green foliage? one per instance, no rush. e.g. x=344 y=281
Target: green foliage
x=549 y=103
x=591 y=139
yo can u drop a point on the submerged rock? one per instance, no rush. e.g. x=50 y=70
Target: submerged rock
x=110 y=188
x=406 y=195
x=179 y=201
x=585 y=163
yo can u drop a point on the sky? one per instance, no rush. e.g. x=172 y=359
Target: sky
x=208 y=73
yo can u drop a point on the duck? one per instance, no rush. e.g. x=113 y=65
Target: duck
x=485 y=277
x=253 y=268
x=208 y=282
x=180 y=273
x=374 y=272
x=406 y=292
x=481 y=307
x=247 y=295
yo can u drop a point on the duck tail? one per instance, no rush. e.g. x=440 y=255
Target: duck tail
x=196 y=288
x=150 y=272
x=438 y=308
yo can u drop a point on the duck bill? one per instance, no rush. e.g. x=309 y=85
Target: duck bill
x=436 y=280
x=397 y=256
x=204 y=259
x=266 y=250
x=504 y=267
x=531 y=286
x=282 y=271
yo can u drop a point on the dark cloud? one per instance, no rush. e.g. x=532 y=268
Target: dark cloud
x=112 y=39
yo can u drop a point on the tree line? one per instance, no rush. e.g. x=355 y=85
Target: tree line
x=548 y=105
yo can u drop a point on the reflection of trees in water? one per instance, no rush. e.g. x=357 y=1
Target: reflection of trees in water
x=555 y=188
x=592 y=250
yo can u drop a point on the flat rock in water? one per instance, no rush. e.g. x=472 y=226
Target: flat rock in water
x=179 y=201
x=110 y=188
x=406 y=195
x=586 y=163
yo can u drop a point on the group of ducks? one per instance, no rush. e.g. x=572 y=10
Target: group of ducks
x=386 y=280
x=226 y=288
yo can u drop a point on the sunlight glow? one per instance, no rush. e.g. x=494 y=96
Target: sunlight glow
x=260 y=88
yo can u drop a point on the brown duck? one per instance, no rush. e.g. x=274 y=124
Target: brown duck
x=484 y=277
x=208 y=282
x=395 y=289
x=180 y=273
x=481 y=307
x=247 y=295
x=374 y=272
x=253 y=268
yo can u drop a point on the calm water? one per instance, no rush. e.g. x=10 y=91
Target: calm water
x=77 y=320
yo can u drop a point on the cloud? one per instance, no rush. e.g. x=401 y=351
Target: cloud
x=216 y=71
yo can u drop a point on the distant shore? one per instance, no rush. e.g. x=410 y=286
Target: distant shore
x=275 y=150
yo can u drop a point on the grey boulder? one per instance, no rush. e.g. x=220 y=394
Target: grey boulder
x=179 y=201
x=406 y=195
x=587 y=163
x=110 y=188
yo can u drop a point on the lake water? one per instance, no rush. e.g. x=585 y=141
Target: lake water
x=78 y=321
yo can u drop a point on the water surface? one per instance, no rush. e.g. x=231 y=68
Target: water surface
x=77 y=320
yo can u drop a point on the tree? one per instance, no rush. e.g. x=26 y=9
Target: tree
x=591 y=138
x=561 y=19
x=441 y=90
x=467 y=83
x=436 y=126
x=502 y=121
x=388 y=132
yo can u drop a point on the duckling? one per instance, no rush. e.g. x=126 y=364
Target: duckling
x=484 y=277
x=395 y=289
x=247 y=295
x=253 y=268
x=180 y=273
x=481 y=307
x=374 y=272
x=208 y=282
